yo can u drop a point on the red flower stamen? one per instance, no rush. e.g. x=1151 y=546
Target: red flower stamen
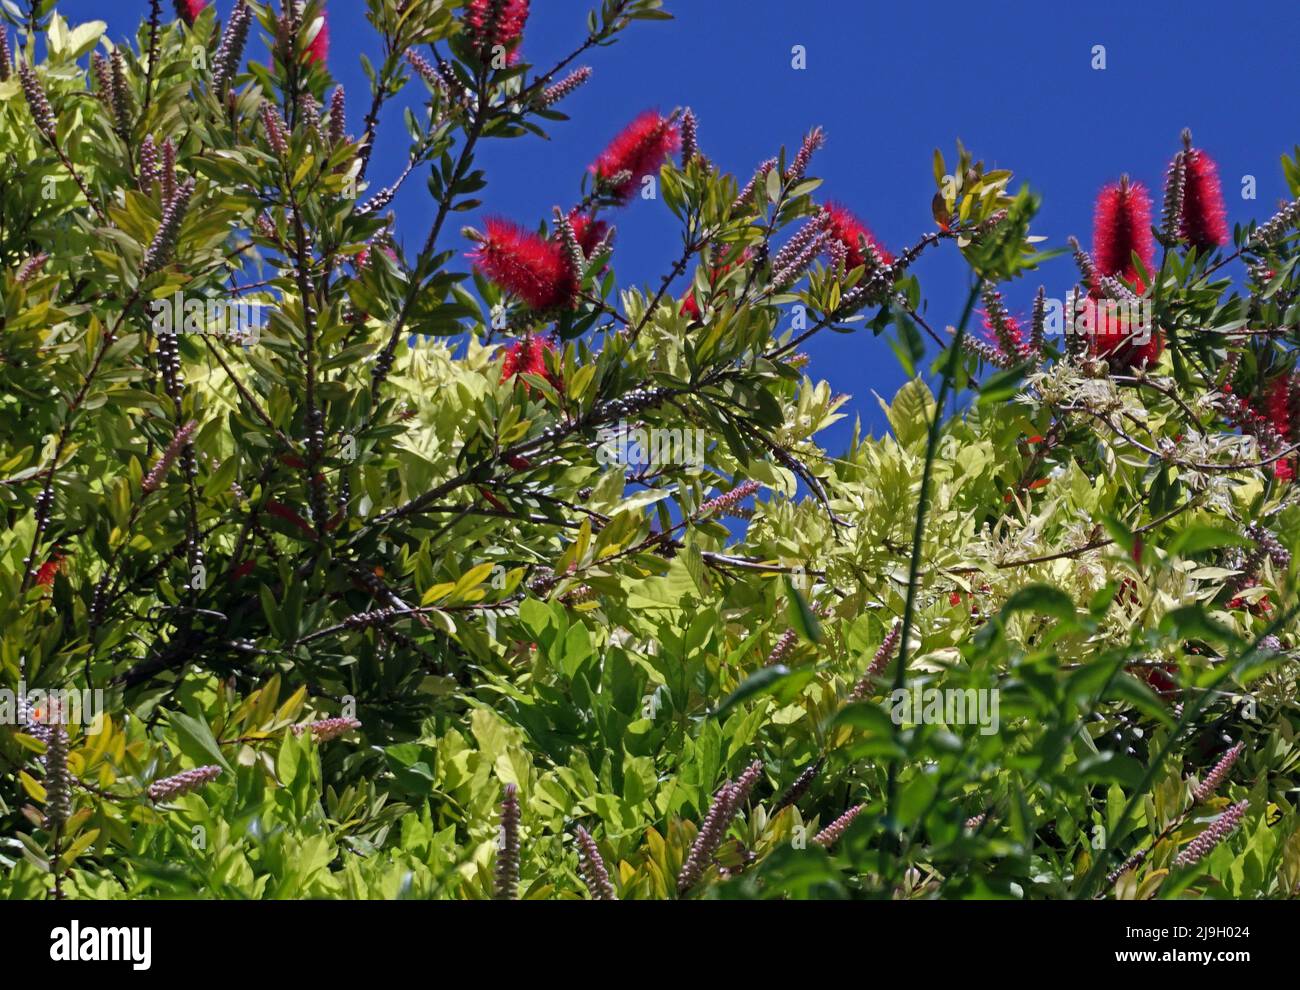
x=496 y=22
x=848 y=230
x=1122 y=228
x=641 y=148
x=320 y=45
x=1204 y=218
x=528 y=357
x=189 y=10
x=525 y=264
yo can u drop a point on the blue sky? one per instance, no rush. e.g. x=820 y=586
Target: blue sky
x=890 y=82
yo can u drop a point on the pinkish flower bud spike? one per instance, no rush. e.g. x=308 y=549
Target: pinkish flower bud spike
x=747 y=192
x=173 y=787
x=726 y=802
x=167 y=171
x=276 y=136
x=592 y=865
x=6 y=57
x=121 y=93
x=424 y=69
x=507 y=868
x=1217 y=832
x=573 y=256
x=103 y=79
x=1205 y=790
x=799 y=167
x=160 y=249
x=690 y=136
x=878 y=664
x=30 y=268
x=37 y=102
x=801 y=784
x=831 y=834
x=230 y=52
x=338 y=117
x=567 y=86
x=148 y=163
x=1038 y=322
x=153 y=481
x=58 y=781
x=1276 y=227
x=328 y=729
x=727 y=502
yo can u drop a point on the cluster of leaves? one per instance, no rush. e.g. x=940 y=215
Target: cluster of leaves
x=538 y=644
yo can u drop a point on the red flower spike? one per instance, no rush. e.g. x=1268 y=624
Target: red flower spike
x=1204 y=219
x=320 y=45
x=528 y=357
x=1121 y=349
x=189 y=10
x=587 y=230
x=1016 y=335
x=690 y=307
x=1277 y=407
x=45 y=576
x=1121 y=227
x=639 y=150
x=525 y=264
x=496 y=22
x=849 y=231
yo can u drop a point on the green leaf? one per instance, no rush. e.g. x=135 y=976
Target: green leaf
x=758 y=683
x=802 y=619
x=1042 y=599
x=197 y=741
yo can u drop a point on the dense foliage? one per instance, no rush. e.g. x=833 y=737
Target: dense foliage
x=384 y=601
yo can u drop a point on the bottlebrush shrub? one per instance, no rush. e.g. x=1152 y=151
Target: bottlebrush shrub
x=352 y=591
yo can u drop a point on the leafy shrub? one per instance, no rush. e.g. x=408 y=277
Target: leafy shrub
x=380 y=617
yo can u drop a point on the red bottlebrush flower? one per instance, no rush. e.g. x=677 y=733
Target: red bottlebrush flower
x=1158 y=677
x=690 y=307
x=1123 y=344
x=189 y=10
x=45 y=576
x=1121 y=227
x=528 y=357
x=1277 y=407
x=320 y=45
x=496 y=22
x=850 y=231
x=363 y=256
x=1014 y=336
x=643 y=146
x=288 y=515
x=587 y=230
x=526 y=264
x=1204 y=219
